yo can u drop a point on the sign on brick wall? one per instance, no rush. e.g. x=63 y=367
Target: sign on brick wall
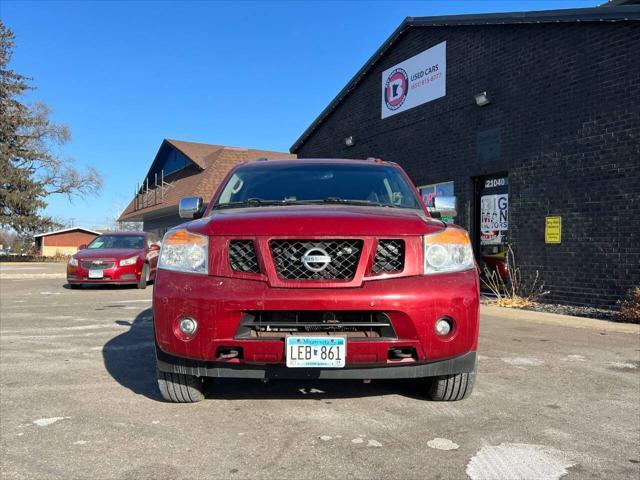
x=553 y=230
x=415 y=81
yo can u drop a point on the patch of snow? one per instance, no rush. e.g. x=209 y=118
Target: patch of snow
x=622 y=365
x=518 y=461
x=442 y=444
x=374 y=443
x=523 y=361
x=45 y=422
x=574 y=358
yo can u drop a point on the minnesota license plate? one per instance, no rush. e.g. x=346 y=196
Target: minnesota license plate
x=316 y=352
x=96 y=274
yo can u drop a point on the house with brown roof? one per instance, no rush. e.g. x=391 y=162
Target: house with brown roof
x=182 y=169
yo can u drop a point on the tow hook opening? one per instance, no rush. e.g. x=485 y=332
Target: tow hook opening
x=402 y=353
x=228 y=353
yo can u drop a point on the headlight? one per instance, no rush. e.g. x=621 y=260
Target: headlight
x=447 y=251
x=184 y=251
x=73 y=262
x=129 y=261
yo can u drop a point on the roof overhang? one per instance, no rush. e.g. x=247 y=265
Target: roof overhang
x=608 y=13
x=142 y=216
x=64 y=230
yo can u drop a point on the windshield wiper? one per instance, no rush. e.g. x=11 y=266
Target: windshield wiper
x=249 y=202
x=366 y=203
x=258 y=202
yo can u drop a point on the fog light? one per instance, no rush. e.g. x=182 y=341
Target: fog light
x=443 y=326
x=188 y=326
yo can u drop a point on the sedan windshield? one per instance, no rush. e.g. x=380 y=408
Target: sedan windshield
x=309 y=183
x=118 y=241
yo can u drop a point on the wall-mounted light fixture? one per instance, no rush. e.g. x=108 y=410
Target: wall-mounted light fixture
x=482 y=99
x=349 y=142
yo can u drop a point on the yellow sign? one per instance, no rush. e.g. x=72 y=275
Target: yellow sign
x=553 y=230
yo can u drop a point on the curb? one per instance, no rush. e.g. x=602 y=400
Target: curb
x=558 y=319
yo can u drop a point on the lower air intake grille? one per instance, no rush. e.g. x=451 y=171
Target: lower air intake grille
x=271 y=325
x=316 y=259
x=389 y=257
x=97 y=264
x=242 y=256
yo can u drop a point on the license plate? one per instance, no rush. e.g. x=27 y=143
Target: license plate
x=316 y=352
x=95 y=274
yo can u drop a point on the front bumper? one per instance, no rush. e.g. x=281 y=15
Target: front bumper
x=413 y=303
x=116 y=275
x=168 y=363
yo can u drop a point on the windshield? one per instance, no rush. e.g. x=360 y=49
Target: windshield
x=118 y=241
x=347 y=183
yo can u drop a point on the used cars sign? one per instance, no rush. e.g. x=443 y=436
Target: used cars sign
x=415 y=81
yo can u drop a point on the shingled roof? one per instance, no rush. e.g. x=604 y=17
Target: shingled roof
x=210 y=163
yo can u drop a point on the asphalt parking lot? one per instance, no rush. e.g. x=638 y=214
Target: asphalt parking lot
x=555 y=397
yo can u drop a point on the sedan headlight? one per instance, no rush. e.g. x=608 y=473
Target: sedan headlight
x=184 y=251
x=448 y=251
x=73 y=262
x=129 y=261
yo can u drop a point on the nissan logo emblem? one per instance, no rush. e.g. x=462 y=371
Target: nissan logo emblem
x=316 y=259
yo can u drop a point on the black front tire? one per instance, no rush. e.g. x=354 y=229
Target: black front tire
x=180 y=388
x=144 y=277
x=451 y=388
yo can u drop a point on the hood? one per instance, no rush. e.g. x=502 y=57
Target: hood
x=117 y=253
x=341 y=220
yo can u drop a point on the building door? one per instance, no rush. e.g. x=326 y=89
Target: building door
x=491 y=225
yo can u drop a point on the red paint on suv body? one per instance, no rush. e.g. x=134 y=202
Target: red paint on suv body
x=224 y=298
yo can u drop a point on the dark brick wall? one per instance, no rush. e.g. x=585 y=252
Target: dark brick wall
x=566 y=98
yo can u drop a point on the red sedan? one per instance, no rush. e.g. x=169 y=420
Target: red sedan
x=115 y=258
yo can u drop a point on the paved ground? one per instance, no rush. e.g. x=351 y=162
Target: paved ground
x=79 y=400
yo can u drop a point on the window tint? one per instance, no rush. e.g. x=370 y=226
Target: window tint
x=381 y=184
x=118 y=241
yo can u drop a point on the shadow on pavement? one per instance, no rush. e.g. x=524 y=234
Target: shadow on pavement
x=130 y=357
x=130 y=360
x=97 y=286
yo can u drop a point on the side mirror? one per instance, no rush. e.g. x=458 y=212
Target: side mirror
x=82 y=247
x=154 y=247
x=443 y=207
x=191 y=207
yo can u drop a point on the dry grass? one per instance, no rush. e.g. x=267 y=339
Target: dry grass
x=513 y=292
x=629 y=307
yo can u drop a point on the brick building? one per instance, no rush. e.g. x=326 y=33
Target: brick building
x=182 y=169
x=63 y=242
x=521 y=116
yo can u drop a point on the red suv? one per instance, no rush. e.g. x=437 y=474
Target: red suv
x=316 y=269
x=119 y=258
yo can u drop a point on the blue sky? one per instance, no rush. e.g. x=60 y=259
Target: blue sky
x=125 y=75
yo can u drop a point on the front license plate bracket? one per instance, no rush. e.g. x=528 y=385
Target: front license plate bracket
x=315 y=351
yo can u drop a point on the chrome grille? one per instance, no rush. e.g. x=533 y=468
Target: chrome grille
x=242 y=256
x=97 y=264
x=389 y=256
x=343 y=257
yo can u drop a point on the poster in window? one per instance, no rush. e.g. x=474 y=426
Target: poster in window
x=494 y=219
